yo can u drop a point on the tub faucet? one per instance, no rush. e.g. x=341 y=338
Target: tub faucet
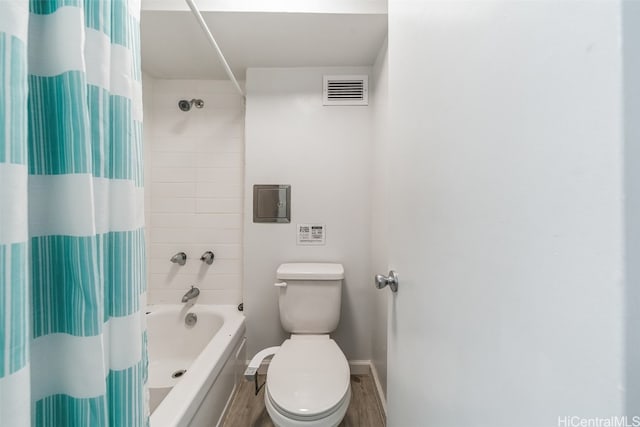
x=207 y=257
x=179 y=258
x=191 y=294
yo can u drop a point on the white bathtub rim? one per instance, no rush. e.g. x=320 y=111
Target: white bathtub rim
x=183 y=401
x=181 y=404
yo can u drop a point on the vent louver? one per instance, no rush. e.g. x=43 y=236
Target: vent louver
x=346 y=90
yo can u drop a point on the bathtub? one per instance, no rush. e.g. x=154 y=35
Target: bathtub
x=193 y=369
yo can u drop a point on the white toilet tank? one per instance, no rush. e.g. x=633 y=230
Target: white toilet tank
x=310 y=295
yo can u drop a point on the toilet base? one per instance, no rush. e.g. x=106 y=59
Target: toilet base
x=332 y=420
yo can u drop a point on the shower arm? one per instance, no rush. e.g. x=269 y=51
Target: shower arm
x=213 y=43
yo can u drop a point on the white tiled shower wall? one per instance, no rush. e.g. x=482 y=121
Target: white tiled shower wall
x=194 y=170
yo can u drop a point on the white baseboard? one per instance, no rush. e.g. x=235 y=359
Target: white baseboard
x=381 y=395
x=360 y=367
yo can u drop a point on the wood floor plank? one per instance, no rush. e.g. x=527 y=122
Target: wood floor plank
x=248 y=410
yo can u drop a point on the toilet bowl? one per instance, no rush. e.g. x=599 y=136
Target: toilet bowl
x=308 y=378
x=308 y=383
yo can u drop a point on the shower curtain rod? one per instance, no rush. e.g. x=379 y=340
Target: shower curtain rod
x=206 y=30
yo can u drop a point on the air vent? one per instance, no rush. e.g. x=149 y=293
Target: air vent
x=346 y=90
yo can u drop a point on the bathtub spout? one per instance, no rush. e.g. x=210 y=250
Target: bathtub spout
x=191 y=294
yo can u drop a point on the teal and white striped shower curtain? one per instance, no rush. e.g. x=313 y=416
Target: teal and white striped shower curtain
x=72 y=279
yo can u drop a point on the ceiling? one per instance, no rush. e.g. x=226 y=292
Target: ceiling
x=174 y=46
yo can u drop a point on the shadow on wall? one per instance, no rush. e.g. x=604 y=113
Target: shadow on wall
x=631 y=30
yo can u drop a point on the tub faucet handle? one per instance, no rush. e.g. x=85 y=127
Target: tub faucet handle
x=180 y=258
x=207 y=257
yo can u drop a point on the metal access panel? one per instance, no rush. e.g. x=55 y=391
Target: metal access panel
x=272 y=203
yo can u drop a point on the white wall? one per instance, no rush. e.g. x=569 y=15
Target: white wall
x=506 y=124
x=324 y=154
x=194 y=169
x=631 y=43
x=381 y=197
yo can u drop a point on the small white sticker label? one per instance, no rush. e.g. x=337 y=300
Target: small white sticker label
x=311 y=234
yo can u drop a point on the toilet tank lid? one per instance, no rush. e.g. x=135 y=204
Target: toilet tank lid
x=310 y=271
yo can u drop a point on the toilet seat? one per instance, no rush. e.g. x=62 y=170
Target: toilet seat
x=343 y=404
x=308 y=380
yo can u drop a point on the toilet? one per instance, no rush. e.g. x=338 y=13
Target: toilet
x=308 y=377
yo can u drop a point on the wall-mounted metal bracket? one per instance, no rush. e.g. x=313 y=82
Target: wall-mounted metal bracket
x=251 y=373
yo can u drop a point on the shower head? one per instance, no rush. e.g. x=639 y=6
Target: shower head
x=185 y=105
